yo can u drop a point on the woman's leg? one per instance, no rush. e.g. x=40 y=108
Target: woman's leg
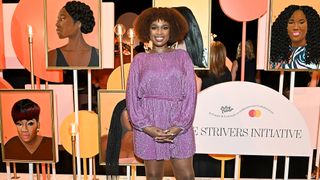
x=154 y=169
x=183 y=168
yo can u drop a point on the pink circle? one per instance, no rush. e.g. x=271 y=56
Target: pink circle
x=244 y=10
x=252 y=113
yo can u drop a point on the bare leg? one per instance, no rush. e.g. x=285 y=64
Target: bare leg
x=183 y=168
x=154 y=169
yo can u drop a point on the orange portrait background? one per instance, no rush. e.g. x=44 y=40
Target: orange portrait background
x=42 y=97
x=53 y=7
x=107 y=100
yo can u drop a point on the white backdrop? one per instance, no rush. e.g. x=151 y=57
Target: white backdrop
x=249 y=119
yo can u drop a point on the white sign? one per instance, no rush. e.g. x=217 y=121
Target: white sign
x=249 y=119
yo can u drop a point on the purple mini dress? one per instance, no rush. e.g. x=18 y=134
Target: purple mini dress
x=161 y=92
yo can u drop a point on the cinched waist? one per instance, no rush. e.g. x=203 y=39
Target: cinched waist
x=163 y=98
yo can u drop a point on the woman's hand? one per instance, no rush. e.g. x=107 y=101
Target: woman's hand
x=158 y=134
x=172 y=132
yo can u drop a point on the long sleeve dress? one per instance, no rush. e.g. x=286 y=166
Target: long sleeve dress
x=161 y=92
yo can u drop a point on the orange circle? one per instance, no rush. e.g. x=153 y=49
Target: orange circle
x=222 y=157
x=32 y=14
x=258 y=113
x=88 y=133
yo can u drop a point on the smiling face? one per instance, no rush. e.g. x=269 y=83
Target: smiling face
x=297 y=28
x=27 y=129
x=159 y=34
x=66 y=26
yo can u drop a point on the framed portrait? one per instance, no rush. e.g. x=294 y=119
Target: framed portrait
x=294 y=35
x=114 y=127
x=72 y=34
x=197 y=15
x=27 y=126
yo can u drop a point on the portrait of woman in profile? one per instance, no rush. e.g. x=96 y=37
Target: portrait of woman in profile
x=295 y=38
x=27 y=145
x=74 y=19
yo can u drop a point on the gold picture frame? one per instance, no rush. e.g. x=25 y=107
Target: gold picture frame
x=17 y=133
x=61 y=50
x=281 y=37
x=111 y=105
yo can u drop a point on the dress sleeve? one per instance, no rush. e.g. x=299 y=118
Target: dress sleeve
x=185 y=119
x=138 y=116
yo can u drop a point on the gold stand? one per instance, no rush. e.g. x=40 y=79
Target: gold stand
x=73 y=141
x=31 y=61
x=48 y=171
x=94 y=169
x=130 y=34
x=133 y=171
x=38 y=171
x=15 y=172
x=119 y=29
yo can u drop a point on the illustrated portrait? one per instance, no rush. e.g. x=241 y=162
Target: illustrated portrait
x=73 y=34
x=197 y=40
x=294 y=40
x=27 y=126
x=116 y=135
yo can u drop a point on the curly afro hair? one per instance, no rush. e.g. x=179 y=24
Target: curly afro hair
x=178 y=24
x=79 y=11
x=280 y=41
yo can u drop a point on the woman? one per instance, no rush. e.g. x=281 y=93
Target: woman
x=74 y=19
x=295 y=39
x=218 y=71
x=28 y=145
x=251 y=74
x=161 y=95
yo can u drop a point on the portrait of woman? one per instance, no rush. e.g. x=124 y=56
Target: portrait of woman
x=27 y=145
x=295 y=38
x=74 y=20
x=118 y=144
x=27 y=128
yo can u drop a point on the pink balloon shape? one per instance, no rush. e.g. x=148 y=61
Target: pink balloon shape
x=244 y=10
x=32 y=13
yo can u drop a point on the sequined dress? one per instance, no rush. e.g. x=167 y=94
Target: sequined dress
x=161 y=92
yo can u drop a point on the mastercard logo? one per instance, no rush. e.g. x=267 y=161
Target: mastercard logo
x=254 y=113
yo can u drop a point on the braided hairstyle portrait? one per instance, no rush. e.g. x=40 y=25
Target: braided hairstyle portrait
x=79 y=11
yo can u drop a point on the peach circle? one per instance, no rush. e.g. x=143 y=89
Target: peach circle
x=244 y=10
x=32 y=14
x=88 y=133
x=258 y=113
